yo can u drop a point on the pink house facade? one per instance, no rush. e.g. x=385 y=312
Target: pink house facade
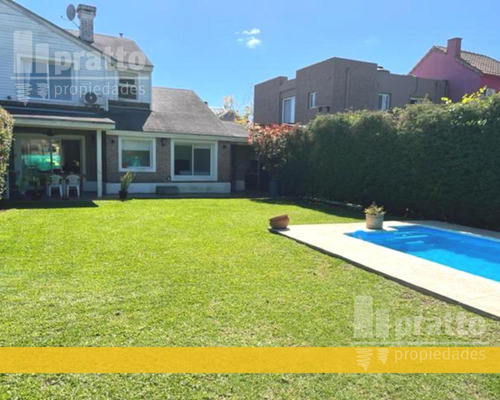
x=466 y=72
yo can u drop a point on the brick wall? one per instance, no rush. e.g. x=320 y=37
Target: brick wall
x=162 y=163
x=224 y=162
x=112 y=174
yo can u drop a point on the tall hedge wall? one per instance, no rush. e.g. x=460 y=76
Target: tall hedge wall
x=6 y=127
x=427 y=161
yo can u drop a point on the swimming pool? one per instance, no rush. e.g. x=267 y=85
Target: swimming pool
x=474 y=254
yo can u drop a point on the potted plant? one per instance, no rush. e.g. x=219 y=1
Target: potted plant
x=125 y=182
x=374 y=216
x=35 y=180
x=280 y=222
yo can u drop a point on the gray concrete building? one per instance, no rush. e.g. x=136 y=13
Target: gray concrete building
x=337 y=85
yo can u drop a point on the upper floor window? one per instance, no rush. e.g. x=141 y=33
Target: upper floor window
x=288 y=111
x=384 y=101
x=312 y=100
x=46 y=80
x=127 y=87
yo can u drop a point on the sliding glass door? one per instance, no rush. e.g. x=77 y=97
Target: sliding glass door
x=42 y=155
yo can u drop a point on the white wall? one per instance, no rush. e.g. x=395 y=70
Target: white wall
x=183 y=187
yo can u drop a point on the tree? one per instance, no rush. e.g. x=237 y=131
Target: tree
x=6 y=128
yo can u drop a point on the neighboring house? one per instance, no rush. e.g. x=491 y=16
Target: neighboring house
x=466 y=72
x=336 y=85
x=84 y=103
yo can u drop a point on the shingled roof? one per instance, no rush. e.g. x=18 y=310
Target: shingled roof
x=175 y=111
x=109 y=46
x=480 y=62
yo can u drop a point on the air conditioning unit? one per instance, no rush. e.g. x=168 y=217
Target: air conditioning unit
x=92 y=99
x=489 y=92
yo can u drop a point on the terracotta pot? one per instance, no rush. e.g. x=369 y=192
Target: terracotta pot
x=374 y=221
x=280 y=222
x=123 y=194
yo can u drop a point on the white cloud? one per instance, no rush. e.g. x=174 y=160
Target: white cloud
x=254 y=31
x=253 y=42
x=249 y=38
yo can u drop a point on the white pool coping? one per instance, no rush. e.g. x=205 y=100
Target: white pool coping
x=474 y=292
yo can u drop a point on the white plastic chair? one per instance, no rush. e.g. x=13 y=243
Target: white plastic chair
x=55 y=182
x=73 y=181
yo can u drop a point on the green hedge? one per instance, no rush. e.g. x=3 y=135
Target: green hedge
x=6 y=127
x=423 y=161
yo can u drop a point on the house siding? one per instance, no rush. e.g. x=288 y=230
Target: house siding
x=491 y=81
x=439 y=65
x=340 y=85
x=404 y=87
x=13 y=20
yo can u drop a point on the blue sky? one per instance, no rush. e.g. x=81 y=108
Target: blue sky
x=202 y=45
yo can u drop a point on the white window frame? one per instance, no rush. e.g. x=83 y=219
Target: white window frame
x=128 y=75
x=416 y=100
x=388 y=102
x=152 y=156
x=312 y=100
x=214 y=160
x=291 y=99
x=21 y=59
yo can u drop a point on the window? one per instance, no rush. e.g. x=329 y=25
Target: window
x=42 y=155
x=193 y=160
x=137 y=155
x=416 y=100
x=312 y=100
x=45 y=80
x=384 y=101
x=127 y=87
x=288 y=111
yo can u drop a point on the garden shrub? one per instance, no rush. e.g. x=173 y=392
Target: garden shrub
x=425 y=160
x=6 y=128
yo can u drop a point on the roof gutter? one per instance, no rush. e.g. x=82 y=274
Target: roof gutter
x=190 y=136
x=63 y=122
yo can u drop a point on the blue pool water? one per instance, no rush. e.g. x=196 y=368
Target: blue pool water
x=470 y=253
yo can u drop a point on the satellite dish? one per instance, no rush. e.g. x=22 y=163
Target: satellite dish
x=71 y=12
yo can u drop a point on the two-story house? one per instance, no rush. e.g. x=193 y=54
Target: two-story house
x=466 y=72
x=84 y=103
x=337 y=85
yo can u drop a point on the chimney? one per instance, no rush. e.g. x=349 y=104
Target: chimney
x=86 y=15
x=454 y=47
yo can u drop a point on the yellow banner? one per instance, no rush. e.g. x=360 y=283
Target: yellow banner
x=249 y=360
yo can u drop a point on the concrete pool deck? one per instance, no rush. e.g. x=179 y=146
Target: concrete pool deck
x=474 y=292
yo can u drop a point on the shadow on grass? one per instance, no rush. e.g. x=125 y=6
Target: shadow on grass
x=321 y=207
x=20 y=205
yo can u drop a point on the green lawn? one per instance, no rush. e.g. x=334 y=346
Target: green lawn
x=200 y=272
